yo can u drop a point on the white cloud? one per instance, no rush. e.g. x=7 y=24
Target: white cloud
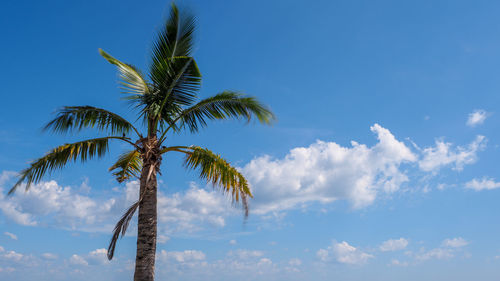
x=443 y=154
x=182 y=257
x=449 y=249
x=323 y=255
x=343 y=253
x=95 y=257
x=295 y=262
x=477 y=117
x=162 y=239
x=48 y=203
x=98 y=256
x=264 y=261
x=78 y=260
x=326 y=171
x=483 y=184
x=189 y=211
x=455 y=242
x=12 y=255
x=49 y=256
x=396 y=262
x=393 y=245
x=245 y=254
x=322 y=172
x=11 y=235
x=7 y=269
x=232 y=242
x=437 y=253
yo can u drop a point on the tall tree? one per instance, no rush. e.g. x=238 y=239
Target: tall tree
x=166 y=101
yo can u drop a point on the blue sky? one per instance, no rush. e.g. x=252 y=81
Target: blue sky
x=382 y=164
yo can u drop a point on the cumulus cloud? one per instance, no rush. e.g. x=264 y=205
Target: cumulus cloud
x=48 y=203
x=477 y=117
x=343 y=253
x=322 y=172
x=78 y=260
x=182 y=256
x=12 y=255
x=326 y=171
x=443 y=154
x=482 y=184
x=455 y=242
x=393 y=245
x=190 y=211
x=95 y=257
x=98 y=257
x=241 y=264
x=11 y=235
x=51 y=202
x=449 y=248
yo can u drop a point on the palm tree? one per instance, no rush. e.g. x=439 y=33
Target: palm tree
x=167 y=102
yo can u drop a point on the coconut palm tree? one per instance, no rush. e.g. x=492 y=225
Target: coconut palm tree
x=166 y=101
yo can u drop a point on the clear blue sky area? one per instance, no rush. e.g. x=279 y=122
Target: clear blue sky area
x=382 y=165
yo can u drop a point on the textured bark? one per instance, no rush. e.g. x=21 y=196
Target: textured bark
x=147 y=221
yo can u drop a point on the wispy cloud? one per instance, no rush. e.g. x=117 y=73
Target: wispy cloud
x=482 y=184
x=11 y=235
x=476 y=118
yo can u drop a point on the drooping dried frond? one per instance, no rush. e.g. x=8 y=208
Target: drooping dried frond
x=132 y=81
x=128 y=165
x=222 y=106
x=219 y=172
x=60 y=156
x=121 y=227
x=71 y=118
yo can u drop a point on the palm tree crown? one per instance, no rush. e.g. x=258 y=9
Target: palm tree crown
x=167 y=101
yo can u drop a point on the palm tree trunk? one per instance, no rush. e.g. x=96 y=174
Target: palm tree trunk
x=147 y=221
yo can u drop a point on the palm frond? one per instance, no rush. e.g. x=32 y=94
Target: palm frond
x=177 y=81
x=132 y=81
x=128 y=165
x=71 y=118
x=176 y=38
x=59 y=157
x=174 y=73
x=214 y=169
x=121 y=227
x=222 y=106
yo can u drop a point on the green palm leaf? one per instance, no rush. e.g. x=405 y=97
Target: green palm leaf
x=60 y=156
x=176 y=38
x=129 y=165
x=224 y=105
x=79 y=117
x=132 y=81
x=176 y=84
x=219 y=172
x=174 y=73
